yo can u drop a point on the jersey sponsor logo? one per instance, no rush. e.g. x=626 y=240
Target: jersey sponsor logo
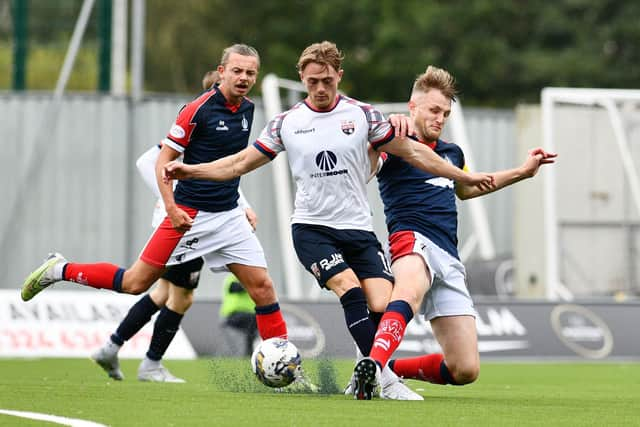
x=327 y=161
x=245 y=124
x=221 y=126
x=440 y=182
x=177 y=131
x=303 y=131
x=348 y=126
x=328 y=264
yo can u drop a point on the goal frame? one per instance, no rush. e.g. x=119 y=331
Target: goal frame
x=608 y=99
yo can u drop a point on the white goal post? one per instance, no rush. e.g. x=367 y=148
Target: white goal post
x=610 y=101
x=294 y=275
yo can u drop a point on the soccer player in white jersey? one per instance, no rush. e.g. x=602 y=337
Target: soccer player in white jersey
x=421 y=216
x=327 y=137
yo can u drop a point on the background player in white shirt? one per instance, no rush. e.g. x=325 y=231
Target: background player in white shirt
x=327 y=136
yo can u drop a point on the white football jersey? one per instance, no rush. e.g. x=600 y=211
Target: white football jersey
x=327 y=154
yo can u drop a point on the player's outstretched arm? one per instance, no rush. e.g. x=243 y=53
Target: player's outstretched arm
x=223 y=169
x=536 y=158
x=425 y=158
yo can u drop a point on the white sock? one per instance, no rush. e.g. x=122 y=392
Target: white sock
x=57 y=270
x=111 y=347
x=149 y=364
x=387 y=376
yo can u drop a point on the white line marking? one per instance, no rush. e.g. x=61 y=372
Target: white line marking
x=73 y=422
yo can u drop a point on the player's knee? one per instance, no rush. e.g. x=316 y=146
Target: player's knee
x=262 y=290
x=180 y=301
x=185 y=300
x=465 y=373
x=133 y=288
x=378 y=305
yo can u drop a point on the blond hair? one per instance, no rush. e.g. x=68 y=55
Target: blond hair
x=436 y=78
x=240 y=49
x=325 y=53
x=210 y=78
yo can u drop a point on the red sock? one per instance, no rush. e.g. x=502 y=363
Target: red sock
x=100 y=276
x=388 y=337
x=424 y=368
x=271 y=325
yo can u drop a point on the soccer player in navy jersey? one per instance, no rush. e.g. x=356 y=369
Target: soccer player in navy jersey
x=421 y=216
x=173 y=292
x=327 y=136
x=203 y=217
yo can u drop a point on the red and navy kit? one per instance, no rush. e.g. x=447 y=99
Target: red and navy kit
x=207 y=129
x=415 y=200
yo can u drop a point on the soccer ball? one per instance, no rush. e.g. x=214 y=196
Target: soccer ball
x=276 y=362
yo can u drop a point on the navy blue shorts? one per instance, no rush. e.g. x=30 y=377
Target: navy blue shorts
x=185 y=275
x=326 y=251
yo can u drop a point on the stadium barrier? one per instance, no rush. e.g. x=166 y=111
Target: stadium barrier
x=73 y=324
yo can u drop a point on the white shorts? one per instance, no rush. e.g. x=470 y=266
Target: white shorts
x=448 y=295
x=221 y=238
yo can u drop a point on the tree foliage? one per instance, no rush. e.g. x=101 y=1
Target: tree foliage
x=502 y=52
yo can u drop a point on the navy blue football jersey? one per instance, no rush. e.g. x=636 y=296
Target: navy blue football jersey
x=415 y=200
x=208 y=129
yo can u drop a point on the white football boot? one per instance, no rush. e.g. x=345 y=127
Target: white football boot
x=153 y=371
x=107 y=357
x=392 y=387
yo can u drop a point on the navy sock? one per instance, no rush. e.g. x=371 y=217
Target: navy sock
x=138 y=316
x=360 y=326
x=375 y=318
x=446 y=375
x=164 y=330
x=403 y=308
x=117 y=280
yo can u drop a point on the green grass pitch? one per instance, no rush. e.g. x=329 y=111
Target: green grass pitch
x=223 y=392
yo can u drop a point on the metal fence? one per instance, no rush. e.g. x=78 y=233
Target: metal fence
x=71 y=184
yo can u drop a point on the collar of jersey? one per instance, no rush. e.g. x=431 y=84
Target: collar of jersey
x=312 y=108
x=431 y=145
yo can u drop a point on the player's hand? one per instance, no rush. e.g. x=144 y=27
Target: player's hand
x=252 y=217
x=536 y=158
x=180 y=220
x=402 y=124
x=175 y=170
x=484 y=181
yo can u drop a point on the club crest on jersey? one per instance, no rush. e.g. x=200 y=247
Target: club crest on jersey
x=348 y=126
x=222 y=126
x=177 y=131
x=245 y=124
